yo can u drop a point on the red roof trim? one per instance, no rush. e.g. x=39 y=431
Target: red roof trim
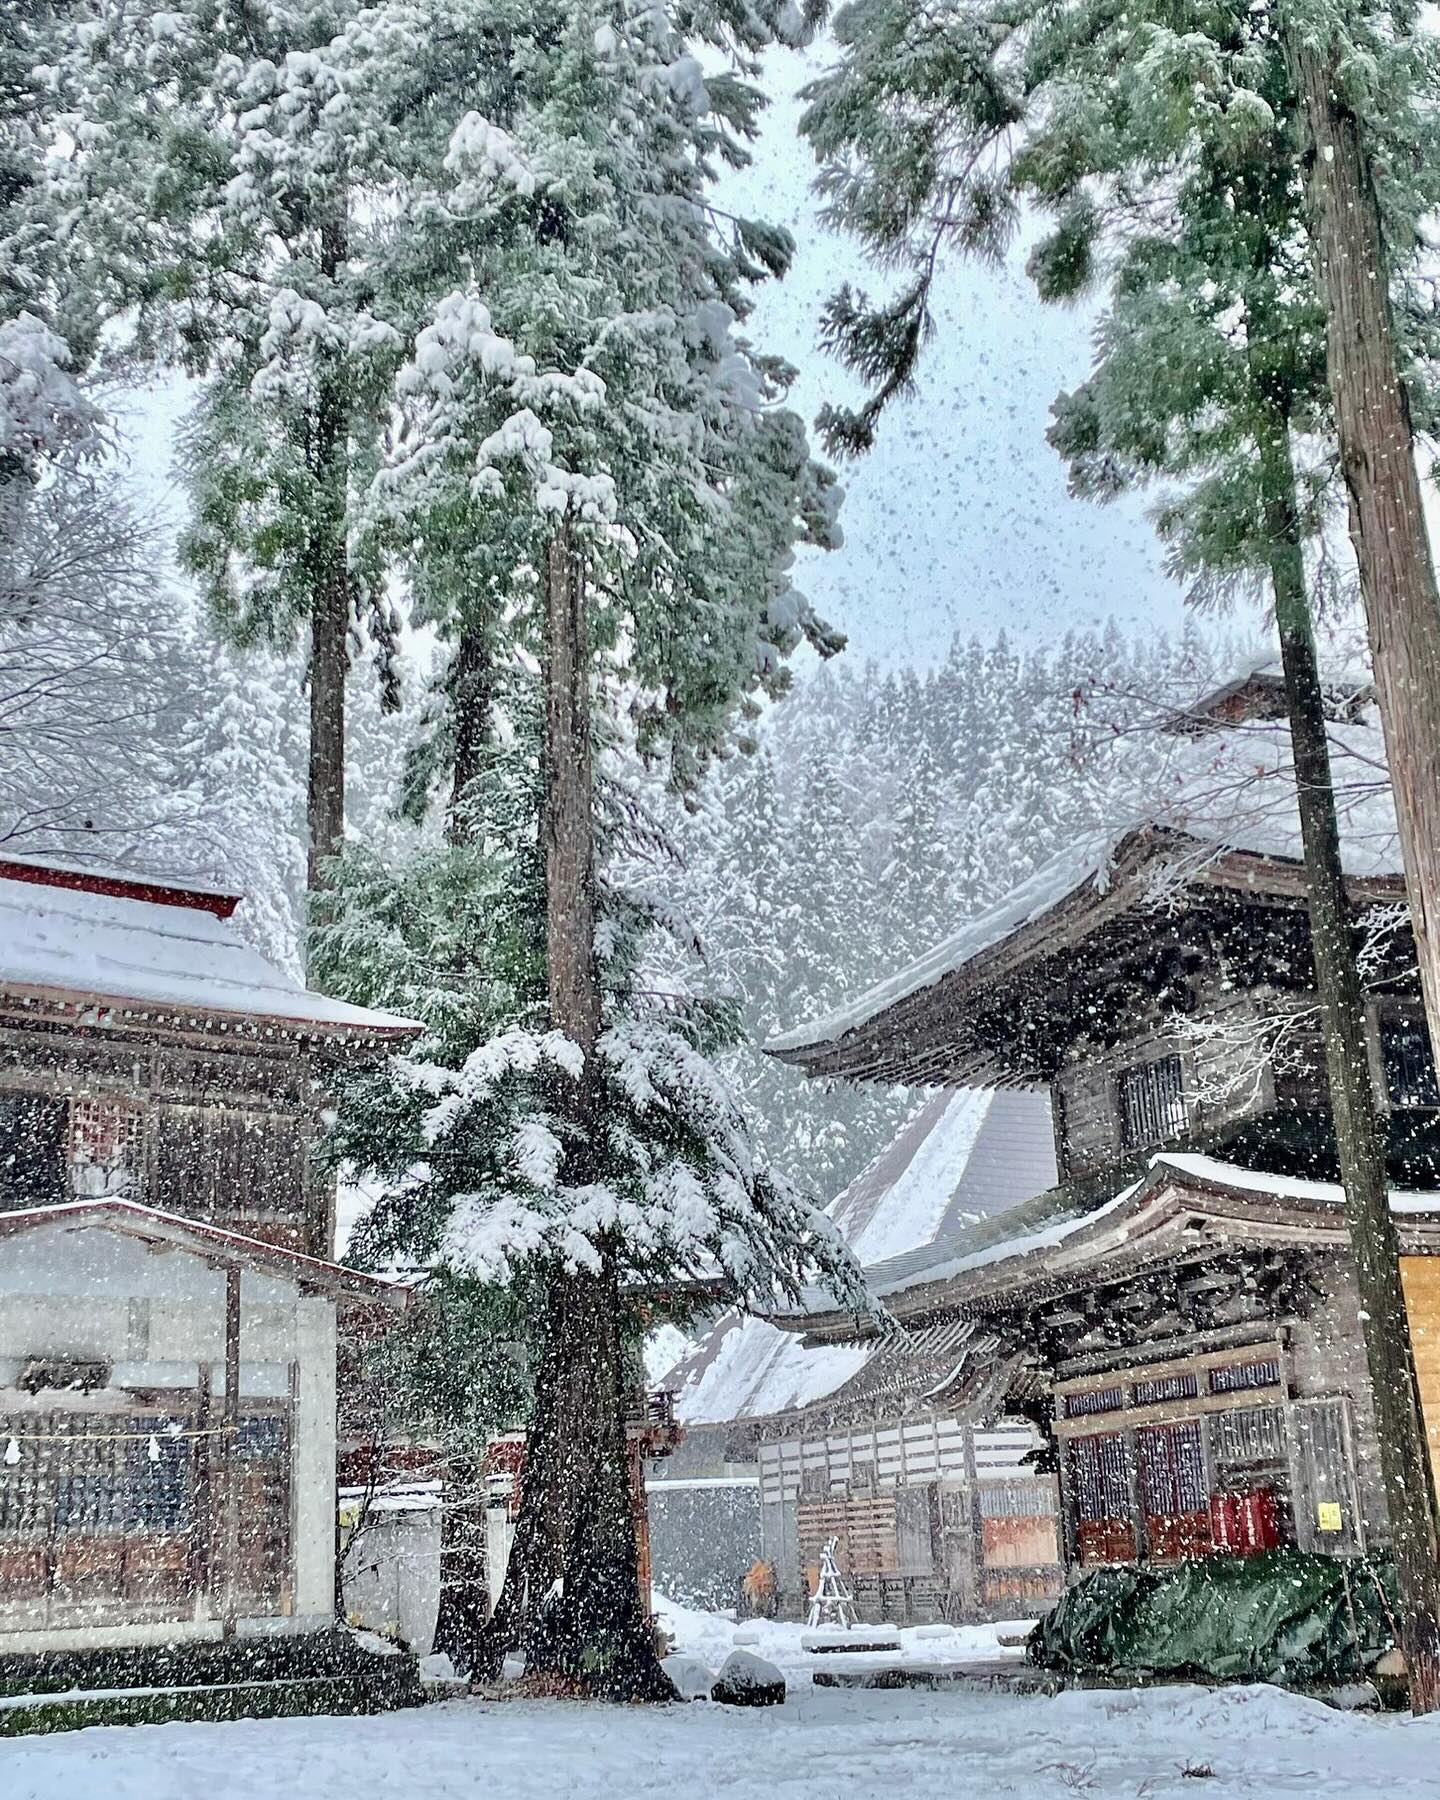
x=120 y=887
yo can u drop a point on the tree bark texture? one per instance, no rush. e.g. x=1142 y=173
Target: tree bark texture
x=1377 y=452
x=1359 y=1134
x=471 y=682
x=329 y=575
x=572 y=1590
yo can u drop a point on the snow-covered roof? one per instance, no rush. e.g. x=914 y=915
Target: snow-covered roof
x=1195 y=796
x=1083 y=866
x=1059 y=1231
x=745 y=1368
x=132 y=1219
x=146 y=943
x=966 y=1155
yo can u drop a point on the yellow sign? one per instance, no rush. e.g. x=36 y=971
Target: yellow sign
x=1329 y=1516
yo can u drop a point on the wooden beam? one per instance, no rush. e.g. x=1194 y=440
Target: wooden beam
x=231 y=1420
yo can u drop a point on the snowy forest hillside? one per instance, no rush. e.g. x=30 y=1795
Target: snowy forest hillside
x=878 y=812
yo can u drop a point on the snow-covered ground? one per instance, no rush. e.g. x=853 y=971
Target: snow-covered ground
x=1175 y=1743
x=712 y=1636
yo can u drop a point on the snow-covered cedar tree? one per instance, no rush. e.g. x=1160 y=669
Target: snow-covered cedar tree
x=43 y=414
x=470 y=1129
x=237 y=187
x=583 y=415
x=96 y=681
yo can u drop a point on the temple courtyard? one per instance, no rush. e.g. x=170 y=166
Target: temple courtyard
x=823 y=1744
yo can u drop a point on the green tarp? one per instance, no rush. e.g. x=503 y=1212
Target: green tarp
x=1284 y=1616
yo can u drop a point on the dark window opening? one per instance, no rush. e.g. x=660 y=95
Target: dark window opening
x=33 y=1134
x=1408 y=1064
x=1239 y=1378
x=1161 y=1388
x=1152 y=1103
x=1096 y=1400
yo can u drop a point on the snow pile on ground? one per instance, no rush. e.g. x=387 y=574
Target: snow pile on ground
x=711 y=1637
x=822 y=1744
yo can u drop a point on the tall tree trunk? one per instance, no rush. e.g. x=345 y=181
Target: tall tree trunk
x=1377 y=453
x=572 y=1589
x=460 y=1622
x=1404 y=1460
x=329 y=659
x=329 y=602
x=471 y=683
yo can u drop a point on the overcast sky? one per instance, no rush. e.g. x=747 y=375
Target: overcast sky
x=958 y=520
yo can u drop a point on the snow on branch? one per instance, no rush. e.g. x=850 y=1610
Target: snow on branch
x=43 y=414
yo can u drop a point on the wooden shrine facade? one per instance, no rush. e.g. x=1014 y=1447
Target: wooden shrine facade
x=1196 y=1340
x=147 y=1052
x=1167 y=1000
x=167 y=1306
x=167 y=1428
x=935 y=1517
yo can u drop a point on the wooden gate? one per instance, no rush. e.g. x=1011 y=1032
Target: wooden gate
x=1101 y=1499
x=1174 y=1489
x=110 y=1518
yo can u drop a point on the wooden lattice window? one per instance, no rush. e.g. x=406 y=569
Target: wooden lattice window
x=1094 y=1400
x=229 y=1166
x=1174 y=1488
x=1151 y=1099
x=1240 y=1378
x=1250 y=1435
x=1100 y=1477
x=97 y=1474
x=1161 y=1388
x=1100 y=1499
x=107 y=1147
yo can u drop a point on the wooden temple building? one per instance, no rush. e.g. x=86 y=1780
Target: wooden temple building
x=938 y=1514
x=168 y=1302
x=1178 y=1312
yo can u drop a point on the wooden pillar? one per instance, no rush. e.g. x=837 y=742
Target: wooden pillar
x=202 y=1564
x=231 y=1455
x=642 y=1522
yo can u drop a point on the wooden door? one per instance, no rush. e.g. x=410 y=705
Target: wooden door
x=1101 y=1498
x=96 y=1519
x=1328 y=1512
x=263 y=1583
x=1420 y=1276
x=1174 y=1490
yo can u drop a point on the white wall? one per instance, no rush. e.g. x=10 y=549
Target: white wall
x=391 y=1575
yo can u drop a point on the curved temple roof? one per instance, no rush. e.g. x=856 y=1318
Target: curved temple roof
x=1181 y=1200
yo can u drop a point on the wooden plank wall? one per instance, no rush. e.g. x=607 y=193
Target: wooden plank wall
x=1420 y=1277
